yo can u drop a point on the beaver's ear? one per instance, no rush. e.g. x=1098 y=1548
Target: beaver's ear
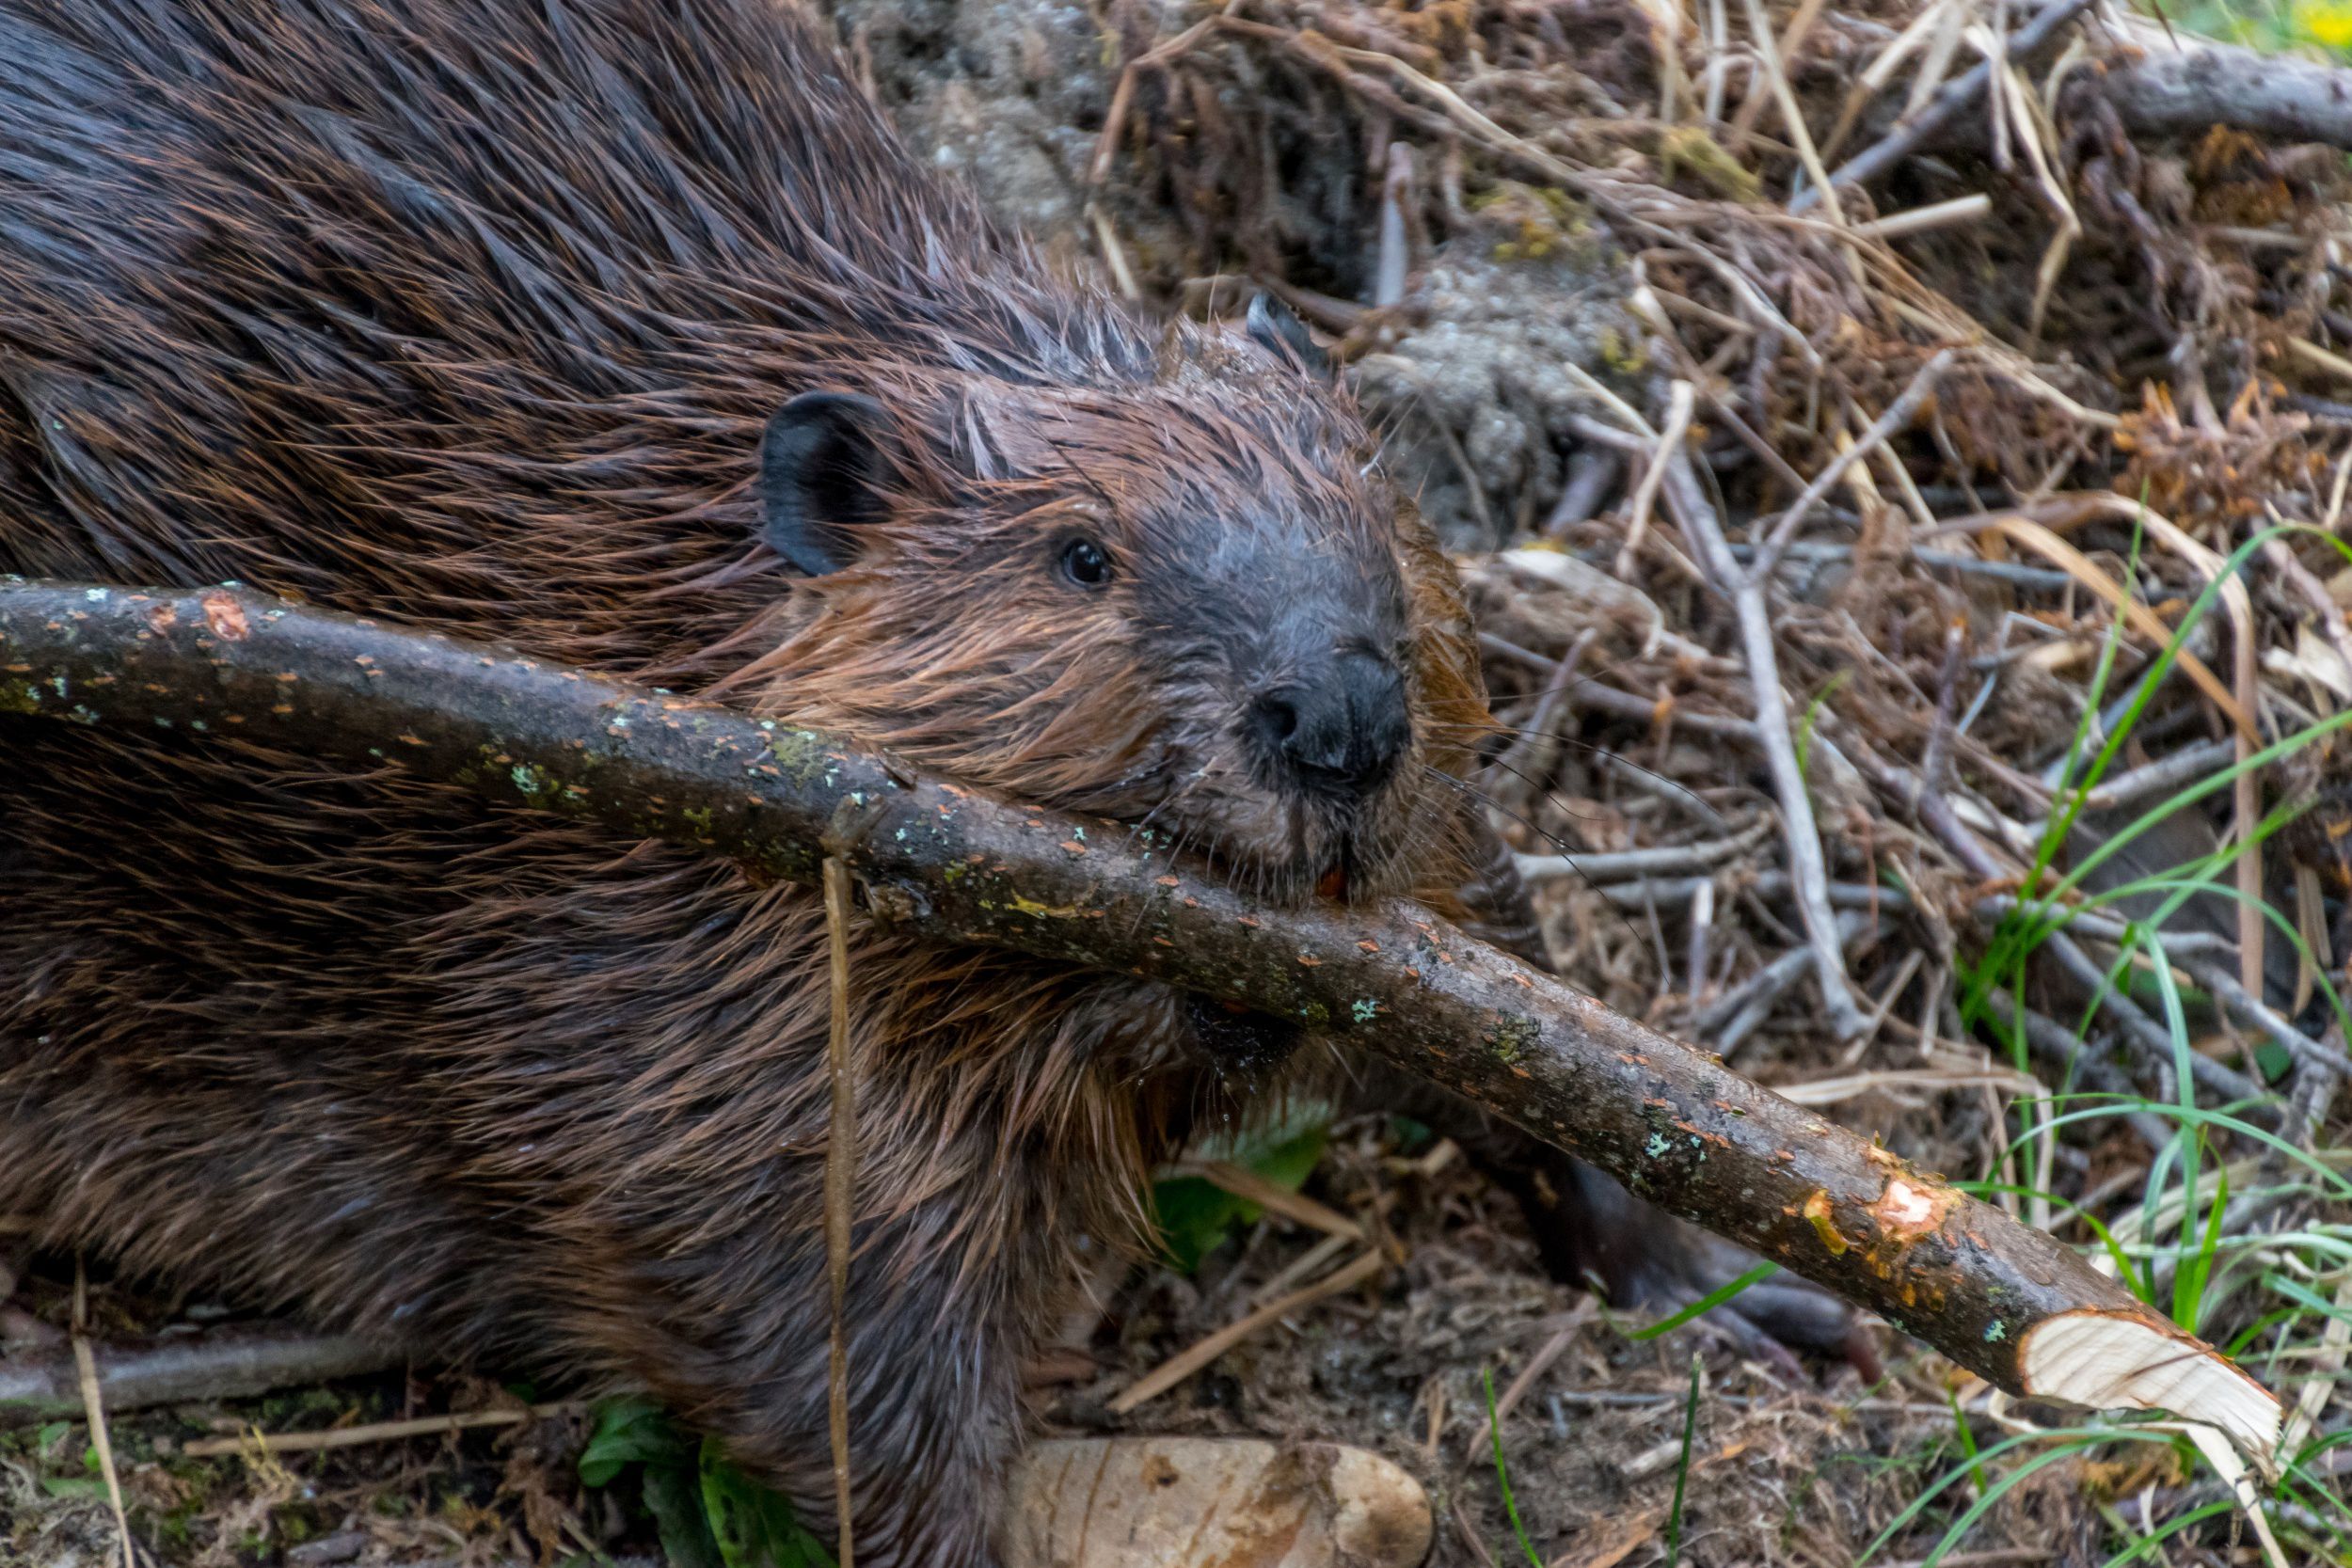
x=1279 y=332
x=821 y=470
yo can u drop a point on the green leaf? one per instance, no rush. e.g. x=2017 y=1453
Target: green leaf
x=2274 y=1060
x=1410 y=1136
x=753 y=1526
x=2146 y=1545
x=1195 y=1213
x=707 y=1513
x=630 y=1432
x=1812 y=711
x=1682 y=1469
x=673 y=1496
x=72 y=1487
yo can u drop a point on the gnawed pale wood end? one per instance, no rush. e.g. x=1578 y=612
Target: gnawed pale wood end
x=2114 y=1360
x=1198 y=1502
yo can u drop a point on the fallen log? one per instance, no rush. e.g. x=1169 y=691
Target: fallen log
x=957 y=864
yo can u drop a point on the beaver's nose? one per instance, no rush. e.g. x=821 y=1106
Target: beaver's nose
x=1342 y=730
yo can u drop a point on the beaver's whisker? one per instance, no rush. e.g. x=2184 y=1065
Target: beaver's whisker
x=1177 y=796
x=1466 y=788
x=1559 y=844
x=1607 y=752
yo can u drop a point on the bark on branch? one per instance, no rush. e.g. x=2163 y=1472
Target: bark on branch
x=225 y=1364
x=956 y=864
x=2187 y=89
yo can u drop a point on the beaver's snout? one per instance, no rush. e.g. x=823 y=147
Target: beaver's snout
x=1339 y=730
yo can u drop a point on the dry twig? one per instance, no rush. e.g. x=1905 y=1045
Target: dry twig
x=374 y=1432
x=1746 y=590
x=840 y=1195
x=223 y=1364
x=1193 y=1358
x=1923 y=129
x=94 y=1409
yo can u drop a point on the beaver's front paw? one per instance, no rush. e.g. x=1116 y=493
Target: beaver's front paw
x=1589 y=1228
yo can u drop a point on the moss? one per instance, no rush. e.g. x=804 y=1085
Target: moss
x=1540 y=221
x=288 y=1410
x=1513 y=1039
x=1628 y=360
x=1689 y=148
x=802 y=755
x=177 y=1529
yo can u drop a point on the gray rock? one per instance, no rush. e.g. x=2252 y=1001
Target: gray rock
x=1474 y=394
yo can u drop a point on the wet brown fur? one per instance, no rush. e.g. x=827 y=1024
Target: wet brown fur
x=470 y=313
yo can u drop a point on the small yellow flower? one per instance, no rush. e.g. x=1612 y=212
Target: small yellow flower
x=2326 y=22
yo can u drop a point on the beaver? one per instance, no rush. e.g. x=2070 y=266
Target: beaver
x=624 y=332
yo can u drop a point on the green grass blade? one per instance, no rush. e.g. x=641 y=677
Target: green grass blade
x=1503 y=1475
x=1682 y=1470
x=1707 y=1303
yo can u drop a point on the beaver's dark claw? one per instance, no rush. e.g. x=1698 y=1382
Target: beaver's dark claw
x=1589 y=1228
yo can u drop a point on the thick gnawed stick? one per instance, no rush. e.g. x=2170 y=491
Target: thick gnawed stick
x=957 y=864
x=223 y=1364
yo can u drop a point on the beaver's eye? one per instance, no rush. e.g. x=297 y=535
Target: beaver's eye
x=1084 y=563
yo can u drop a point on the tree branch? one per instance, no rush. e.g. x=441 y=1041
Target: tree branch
x=224 y=1364
x=1940 y=113
x=1749 y=592
x=2184 y=88
x=957 y=864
